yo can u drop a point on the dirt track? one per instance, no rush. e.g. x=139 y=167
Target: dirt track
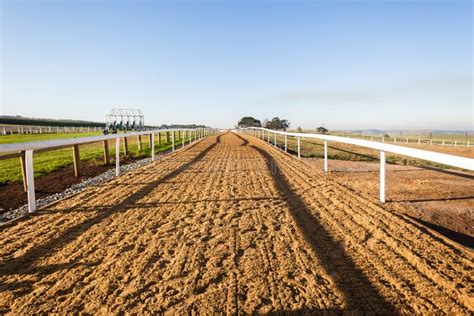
x=228 y=225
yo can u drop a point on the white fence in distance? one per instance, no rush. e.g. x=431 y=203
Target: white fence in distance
x=30 y=147
x=6 y=129
x=445 y=159
x=417 y=141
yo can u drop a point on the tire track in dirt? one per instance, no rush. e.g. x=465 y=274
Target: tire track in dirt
x=436 y=288
x=399 y=246
x=228 y=225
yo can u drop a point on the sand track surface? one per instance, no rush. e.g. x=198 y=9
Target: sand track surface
x=228 y=225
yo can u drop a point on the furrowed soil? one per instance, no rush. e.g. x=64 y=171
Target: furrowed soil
x=441 y=199
x=229 y=225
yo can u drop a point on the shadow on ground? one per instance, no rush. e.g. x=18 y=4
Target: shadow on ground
x=347 y=277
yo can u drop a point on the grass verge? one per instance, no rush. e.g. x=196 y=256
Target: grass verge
x=50 y=161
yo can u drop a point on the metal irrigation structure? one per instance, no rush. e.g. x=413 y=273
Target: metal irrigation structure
x=124 y=120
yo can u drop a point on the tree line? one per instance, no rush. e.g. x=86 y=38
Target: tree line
x=275 y=123
x=20 y=120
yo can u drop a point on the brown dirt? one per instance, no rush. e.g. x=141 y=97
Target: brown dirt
x=12 y=195
x=228 y=225
x=444 y=198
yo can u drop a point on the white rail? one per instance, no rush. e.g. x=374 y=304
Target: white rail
x=449 y=160
x=10 y=129
x=30 y=147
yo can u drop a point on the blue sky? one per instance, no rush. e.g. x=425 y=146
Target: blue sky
x=346 y=64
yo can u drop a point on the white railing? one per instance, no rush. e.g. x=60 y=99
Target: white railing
x=449 y=160
x=6 y=129
x=415 y=140
x=29 y=147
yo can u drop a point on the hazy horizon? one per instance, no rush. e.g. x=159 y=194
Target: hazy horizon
x=389 y=65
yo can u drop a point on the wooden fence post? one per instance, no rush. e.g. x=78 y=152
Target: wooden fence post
x=75 y=150
x=299 y=149
x=182 y=139
x=172 y=141
x=23 y=170
x=139 y=142
x=125 y=147
x=159 y=138
x=152 y=146
x=106 y=152
x=167 y=137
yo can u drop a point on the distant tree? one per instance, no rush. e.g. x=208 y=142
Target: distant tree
x=386 y=136
x=322 y=130
x=249 y=121
x=299 y=130
x=277 y=123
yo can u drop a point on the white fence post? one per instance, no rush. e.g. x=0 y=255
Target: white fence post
x=286 y=143
x=326 y=156
x=152 y=135
x=275 y=140
x=117 y=156
x=382 y=176
x=299 y=149
x=182 y=140
x=30 y=181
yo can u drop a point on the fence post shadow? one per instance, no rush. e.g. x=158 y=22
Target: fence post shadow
x=347 y=277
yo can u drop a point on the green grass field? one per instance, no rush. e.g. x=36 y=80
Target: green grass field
x=50 y=161
x=21 y=138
